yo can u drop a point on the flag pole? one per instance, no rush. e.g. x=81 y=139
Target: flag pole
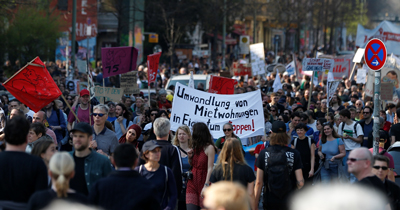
x=69 y=106
x=148 y=82
x=30 y=63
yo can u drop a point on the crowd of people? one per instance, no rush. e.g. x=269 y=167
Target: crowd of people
x=123 y=155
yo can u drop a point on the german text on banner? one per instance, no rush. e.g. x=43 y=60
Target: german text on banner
x=244 y=111
x=221 y=85
x=33 y=85
x=118 y=60
x=152 y=66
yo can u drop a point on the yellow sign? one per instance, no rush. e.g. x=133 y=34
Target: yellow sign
x=153 y=38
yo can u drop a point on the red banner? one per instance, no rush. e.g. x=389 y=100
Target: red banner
x=240 y=69
x=33 y=85
x=152 y=66
x=221 y=85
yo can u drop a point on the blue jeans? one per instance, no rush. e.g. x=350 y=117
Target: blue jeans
x=329 y=174
x=351 y=177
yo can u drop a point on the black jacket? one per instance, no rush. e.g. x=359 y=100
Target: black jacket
x=124 y=190
x=171 y=157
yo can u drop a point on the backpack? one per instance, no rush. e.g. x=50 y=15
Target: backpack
x=295 y=141
x=355 y=127
x=278 y=171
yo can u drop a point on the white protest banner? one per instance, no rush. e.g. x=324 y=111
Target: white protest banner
x=81 y=64
x=317 y=64
x=129 y=83
x=277 y=83
x=257 y=58
x=359 y=55
x=332 y=85
x=72 y=86
x=244 y=111
x=362 y=75
x=290 y=68
x=386 y=31
x=108 y=94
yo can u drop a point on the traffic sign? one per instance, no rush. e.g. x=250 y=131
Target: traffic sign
x=375 y=54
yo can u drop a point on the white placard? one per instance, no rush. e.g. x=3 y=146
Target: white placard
x=290 y=68
x=362 y=75
x=277 y=83
x=359 y=55
x=332 y=85
x=317 y=64
x=257 y=59
x=244 y=111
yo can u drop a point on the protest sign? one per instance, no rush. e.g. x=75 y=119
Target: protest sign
x=317 y=64
x=73 y=86
x=361 y=75
x=277 y=83
x=332 y=85
x=118 y=60
x=359 y=55
x=244 y=111
x=386 y=91
x=290 y=68
x=221 y=85
x=33 y=85
x=81 y=64
x=129 y=83
x=386 y=31
x=108 y=94
x=257 y=58
x=152 y=66
x=241 y=69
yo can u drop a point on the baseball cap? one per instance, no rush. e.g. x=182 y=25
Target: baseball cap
x=150 y=145
x=83 y=127
x=84 y=92
x=278 y=127
x=282 y=100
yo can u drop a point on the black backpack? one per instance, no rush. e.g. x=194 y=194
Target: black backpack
x=277 y=170
x=355 y=127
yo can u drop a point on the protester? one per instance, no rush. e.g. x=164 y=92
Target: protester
x=37 y=133
x=183 y=140
x=292 y=125
x=81 y=110
x=306 y=146
x=45 y=149
x=40 y=117
x=381 y=168
x=21 y=174
x=390 y=112
x=271 y=166
x=367 y=124
x=161 y=176
x=228 y=131
x=123 y=120
x=395 y=130
x=56 y=121
x=90 y=166
x=111 y=113
x=387 y=124
x=383 y=136
x=104 y=139
x=226 y=196
x=231 y=166
x=201 y=158
x=61 y=170
x=331 y=150
x=124 y=188
x=131 y=136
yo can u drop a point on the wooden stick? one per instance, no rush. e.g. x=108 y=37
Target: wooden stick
x=69 y=106
x=30 y=63
x=352 y=71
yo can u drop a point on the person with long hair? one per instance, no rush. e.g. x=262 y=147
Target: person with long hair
x=201 y=158
x=318 y=133
x=160 y=175
x=231 y=166
x=331 y=150
x=45 y=149
x=183 y=140
x=335 y=105
x=61 y=170
x=131 y=136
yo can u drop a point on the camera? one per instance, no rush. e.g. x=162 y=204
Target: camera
x=188 y=175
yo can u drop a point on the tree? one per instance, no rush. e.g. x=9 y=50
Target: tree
x=37 y=37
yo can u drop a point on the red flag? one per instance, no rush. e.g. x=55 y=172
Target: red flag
x=33 y=85
x=221 y=85
x=152 y=66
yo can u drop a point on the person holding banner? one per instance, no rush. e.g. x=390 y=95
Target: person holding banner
x=82 y=110
x=201 y=158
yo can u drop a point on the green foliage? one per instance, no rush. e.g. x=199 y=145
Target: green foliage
x=32 y=33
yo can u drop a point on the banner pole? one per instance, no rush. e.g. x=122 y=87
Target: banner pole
x=104 y=92
x=352 y=71
x=70 y=108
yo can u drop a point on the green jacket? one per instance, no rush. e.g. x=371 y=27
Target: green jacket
x=97 y=166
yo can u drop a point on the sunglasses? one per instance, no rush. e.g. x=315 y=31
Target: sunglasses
x=273 y=110
x=286 y=113
x=381 y=167
x=367 y=112
x=152 y=114
x=358 y=112
x=227 y=129
x=355 y=159
x=98 y=114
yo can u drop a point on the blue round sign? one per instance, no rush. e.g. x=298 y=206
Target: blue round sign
x=375 y=54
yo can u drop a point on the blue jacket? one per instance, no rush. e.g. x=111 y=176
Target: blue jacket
x=97 y=166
